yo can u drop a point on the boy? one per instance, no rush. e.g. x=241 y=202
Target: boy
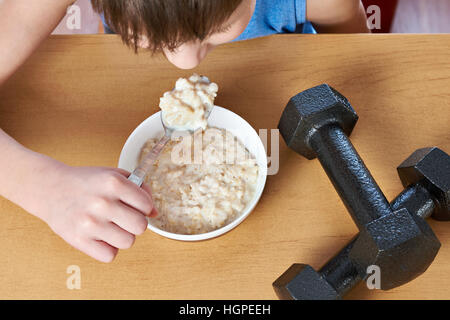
x=97 y=210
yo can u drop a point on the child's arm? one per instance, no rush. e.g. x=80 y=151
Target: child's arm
x=337 y=16
x=96 y=210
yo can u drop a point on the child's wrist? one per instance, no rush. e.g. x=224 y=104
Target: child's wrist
x=39 y=175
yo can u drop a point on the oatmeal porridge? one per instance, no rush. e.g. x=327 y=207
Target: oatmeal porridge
x=205 y=190
x=186 y=107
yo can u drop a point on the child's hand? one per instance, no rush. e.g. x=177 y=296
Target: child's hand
x=96 y=210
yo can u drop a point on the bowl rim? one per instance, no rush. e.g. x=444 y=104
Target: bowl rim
x=262 y=177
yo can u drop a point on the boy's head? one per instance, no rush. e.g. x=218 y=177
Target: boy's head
x=185 y=30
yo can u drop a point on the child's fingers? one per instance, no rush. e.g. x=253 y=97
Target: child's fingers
x=123 y=172
x=126 y=174
x=115 y=236
x=98 y=250
x=135 y=197
x=145 y=187
x=128 y=219
x=154 y=212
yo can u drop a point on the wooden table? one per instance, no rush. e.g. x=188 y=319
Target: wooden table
x=79 y=97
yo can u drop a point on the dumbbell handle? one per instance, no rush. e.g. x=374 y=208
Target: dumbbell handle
x=416 y=199
x=341 y=273
x=352 y=180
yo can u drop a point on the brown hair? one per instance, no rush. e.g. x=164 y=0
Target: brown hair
x=166 y=23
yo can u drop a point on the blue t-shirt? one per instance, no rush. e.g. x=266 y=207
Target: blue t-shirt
x=277 y=16
x=271 y=17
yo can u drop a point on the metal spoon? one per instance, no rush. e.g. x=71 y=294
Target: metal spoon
x=139 y=174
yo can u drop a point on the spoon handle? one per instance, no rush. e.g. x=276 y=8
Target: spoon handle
x=138 y=175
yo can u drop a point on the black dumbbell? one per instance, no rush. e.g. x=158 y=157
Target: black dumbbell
x=426 y=178
x=316 y=122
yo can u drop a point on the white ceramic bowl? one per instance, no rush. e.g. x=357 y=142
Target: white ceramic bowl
x=220 y=118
